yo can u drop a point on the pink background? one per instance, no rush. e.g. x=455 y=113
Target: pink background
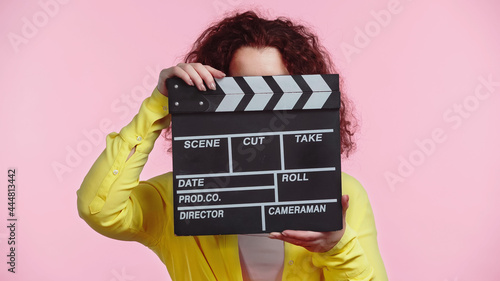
x=82 y=69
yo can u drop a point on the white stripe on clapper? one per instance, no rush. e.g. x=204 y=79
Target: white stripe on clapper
x=282 y=153
x=258 y=85
x=292 y=92
x=287 y=84
x=230 y=154
x=244 y=205
x=276 y=197
x=233 y=92
x=229 y=86
x=262 y=93
x=227 y=189
x=254 y=134
x=211 y=175
x=263 y=215
x=321 y=91
x=258 y=102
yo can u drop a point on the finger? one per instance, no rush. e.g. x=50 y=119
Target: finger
x=215 y=72
x=275 y=235
x=205 y=74
x=302 y=235
x=299 y=242
x=291 y=239
x=345 y=206
x=345 y=202
x=194 y=75
x=181 y=73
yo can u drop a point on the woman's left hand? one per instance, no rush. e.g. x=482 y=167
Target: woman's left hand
x=314 y=241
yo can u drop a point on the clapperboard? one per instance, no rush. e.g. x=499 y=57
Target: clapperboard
x=258 y=154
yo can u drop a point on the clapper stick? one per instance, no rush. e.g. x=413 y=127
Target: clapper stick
x=258 y=154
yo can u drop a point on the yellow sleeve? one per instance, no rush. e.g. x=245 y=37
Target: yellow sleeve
x=356 y=256
x=111 y=199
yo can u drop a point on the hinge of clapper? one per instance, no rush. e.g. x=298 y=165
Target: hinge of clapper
x=184 y=98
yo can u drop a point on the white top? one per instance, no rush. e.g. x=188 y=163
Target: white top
x=261 y=258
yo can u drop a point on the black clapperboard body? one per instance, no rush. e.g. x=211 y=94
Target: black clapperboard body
x=258 y=154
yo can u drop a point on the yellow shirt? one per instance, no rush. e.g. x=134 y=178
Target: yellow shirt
x=116 y=204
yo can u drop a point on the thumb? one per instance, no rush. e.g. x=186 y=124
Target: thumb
x=345 y=205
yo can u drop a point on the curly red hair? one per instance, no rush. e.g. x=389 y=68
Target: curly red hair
x=299 y=47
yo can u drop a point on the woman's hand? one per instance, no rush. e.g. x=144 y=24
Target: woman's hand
x=314 y=241
x=192 y=73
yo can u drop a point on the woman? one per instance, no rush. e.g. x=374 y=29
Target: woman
x=114 y=203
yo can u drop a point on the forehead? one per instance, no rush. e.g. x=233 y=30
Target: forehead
x=250 y=61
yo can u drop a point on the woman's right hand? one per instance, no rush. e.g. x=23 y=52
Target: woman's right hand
x=192 y=73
